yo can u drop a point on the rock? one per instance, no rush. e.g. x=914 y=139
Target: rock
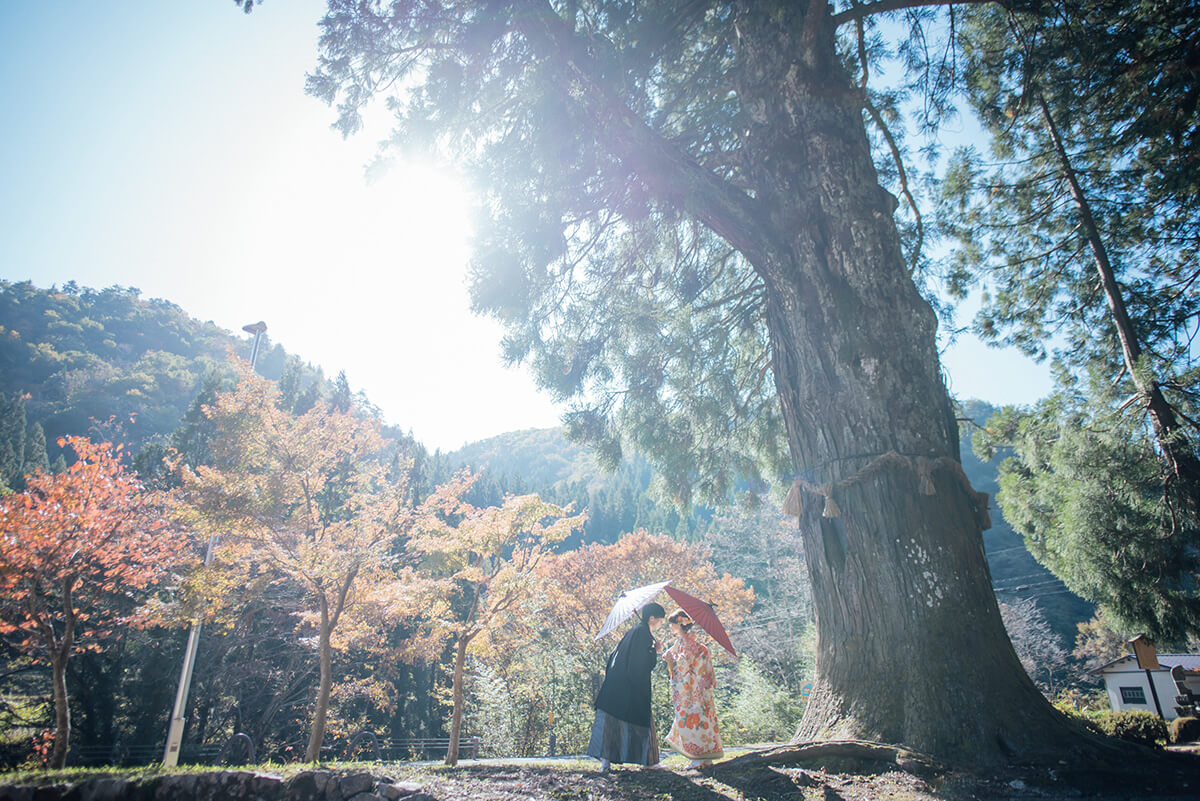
x=352 y=784
x=398 y=790
x=307 y=785
x=177 y=787
x=108 y=789
x=1017 y=784
x=367 y=797
x=248 y=785
x=48 y=792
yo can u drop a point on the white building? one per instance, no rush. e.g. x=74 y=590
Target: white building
x=1143 y=680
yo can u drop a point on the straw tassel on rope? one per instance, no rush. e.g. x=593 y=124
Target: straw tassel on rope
x=831 y=508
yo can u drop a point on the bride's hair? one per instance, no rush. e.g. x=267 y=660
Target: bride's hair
x=682 y=618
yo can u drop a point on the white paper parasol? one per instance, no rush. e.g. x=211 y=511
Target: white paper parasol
x=629 y=602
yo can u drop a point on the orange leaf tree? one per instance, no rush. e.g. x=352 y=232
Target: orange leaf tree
x=77 y=550
x=314 y=498
x=480 y=568
x=587 y=582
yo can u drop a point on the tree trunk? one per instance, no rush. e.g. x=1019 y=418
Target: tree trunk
x=460 y=660
x=1179 y=461
x=911 y=647
x=325 y=650
x=60 y=652
x=62 y=711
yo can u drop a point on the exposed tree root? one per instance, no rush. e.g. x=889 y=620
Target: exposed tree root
x=1110 y=767
x=851 y=756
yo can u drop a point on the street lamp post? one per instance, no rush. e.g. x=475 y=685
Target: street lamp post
x=175 y=729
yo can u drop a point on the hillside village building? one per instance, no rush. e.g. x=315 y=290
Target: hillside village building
x=1167 y=685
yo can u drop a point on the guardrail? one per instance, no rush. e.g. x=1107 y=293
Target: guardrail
x=365 y=746
x=122 y=755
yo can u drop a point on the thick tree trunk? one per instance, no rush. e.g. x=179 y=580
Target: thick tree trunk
x=911 y=648
x=460 y=661
x=321 y=712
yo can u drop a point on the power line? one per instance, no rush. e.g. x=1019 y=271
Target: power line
x=1020 y=587
x=1039 y=574
x=1005 y=550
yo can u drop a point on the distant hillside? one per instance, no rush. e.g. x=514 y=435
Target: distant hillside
x=546 y=462
x=543 y=457
x=1015 y=573
x=76 y=354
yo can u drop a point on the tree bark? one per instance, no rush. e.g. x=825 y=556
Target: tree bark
x=911 y=647
x=60 y=651
x=460 y=661
x=62 y=712
x=321 y=712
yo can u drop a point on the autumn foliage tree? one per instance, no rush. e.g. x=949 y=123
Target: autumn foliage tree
x=582 y=585
x=77 y=550
x=586 y=582
x=480 y=568
x=312 y=500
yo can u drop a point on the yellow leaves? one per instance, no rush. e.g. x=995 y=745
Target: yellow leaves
x=478 y=566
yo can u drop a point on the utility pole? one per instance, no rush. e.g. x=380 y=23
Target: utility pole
x=178 y=719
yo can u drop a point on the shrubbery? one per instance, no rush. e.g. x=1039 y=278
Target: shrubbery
x=1133 y=725
x=1083 y=706
x=1184 y=730
x=760 y=710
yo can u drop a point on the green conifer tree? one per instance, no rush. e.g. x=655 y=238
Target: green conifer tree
x=35 y=449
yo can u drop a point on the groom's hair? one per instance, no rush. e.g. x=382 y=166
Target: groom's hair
x=652 y=610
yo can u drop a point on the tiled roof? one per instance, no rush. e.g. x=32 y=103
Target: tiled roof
x=1189 y=662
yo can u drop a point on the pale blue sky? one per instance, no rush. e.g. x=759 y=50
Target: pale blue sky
x=170 y=147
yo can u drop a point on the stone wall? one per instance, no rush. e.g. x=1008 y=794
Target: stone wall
x=309 y=785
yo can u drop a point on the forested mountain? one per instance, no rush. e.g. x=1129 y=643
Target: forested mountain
x=79 y=355
x=1015 y=573
x=563 y=472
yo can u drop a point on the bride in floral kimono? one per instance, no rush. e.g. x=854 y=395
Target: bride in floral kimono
x=694 y=731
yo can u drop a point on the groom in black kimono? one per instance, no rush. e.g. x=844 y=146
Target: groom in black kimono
x=624 y=728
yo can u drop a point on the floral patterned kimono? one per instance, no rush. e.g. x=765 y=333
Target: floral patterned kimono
x=694 y=731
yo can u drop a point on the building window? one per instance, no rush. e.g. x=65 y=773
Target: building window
x=1133 y=695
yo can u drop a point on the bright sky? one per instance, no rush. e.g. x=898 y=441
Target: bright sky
x=170 y=147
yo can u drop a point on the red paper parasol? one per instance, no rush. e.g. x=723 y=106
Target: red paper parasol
x=702 y=614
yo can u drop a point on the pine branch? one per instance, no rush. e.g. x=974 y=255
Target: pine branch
x=883 y=6
x=902 y=176
x=665 y=169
